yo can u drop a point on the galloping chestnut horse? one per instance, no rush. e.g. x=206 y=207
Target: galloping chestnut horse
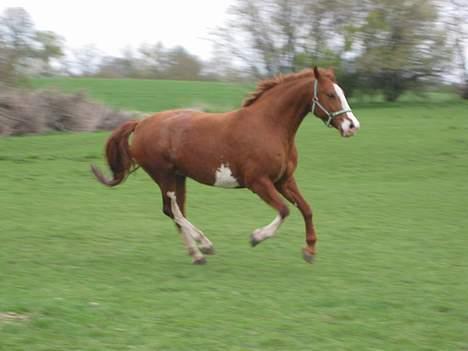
x=252 y=147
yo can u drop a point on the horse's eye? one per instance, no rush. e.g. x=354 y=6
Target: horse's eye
x=331 y=95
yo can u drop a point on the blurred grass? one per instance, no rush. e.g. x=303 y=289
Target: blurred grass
x=103 y=269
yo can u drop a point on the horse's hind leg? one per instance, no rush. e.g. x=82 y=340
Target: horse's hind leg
x=204 y=244
x=171 y=208
x=288 y=188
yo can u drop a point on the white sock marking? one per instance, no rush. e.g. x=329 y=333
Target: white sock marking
x=189 y=231
x=269 y=230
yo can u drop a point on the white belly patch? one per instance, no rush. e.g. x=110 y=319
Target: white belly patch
x=224 y=177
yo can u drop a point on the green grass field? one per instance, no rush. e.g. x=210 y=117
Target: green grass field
x=90 y=268
x=153 y=95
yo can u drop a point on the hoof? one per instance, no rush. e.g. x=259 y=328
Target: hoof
x=199 y=261
x=308 y=257
x=254 y=242
x=207 y=250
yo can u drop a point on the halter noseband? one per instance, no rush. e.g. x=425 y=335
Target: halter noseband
x=330 y=115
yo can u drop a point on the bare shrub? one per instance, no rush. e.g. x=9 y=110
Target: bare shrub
x=19 y=113
x=24 y=112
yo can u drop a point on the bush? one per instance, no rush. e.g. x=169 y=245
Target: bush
x=24 y=112
x=464 y=90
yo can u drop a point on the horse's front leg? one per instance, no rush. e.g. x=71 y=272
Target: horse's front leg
x=267 y=192
x=288 y=188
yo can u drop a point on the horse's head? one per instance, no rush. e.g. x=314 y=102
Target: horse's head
x=330 y=104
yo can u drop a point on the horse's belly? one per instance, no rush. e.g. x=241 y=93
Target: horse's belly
x=222 y=177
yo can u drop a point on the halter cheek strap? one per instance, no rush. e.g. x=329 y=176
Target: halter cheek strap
x=330 y=115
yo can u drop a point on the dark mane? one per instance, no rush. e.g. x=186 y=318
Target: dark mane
x=268 y=84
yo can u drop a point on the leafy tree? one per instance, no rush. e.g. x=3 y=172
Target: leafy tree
x=17 y=30
x=379 y=44
x=455 y=13
x=400 y=44
x=182 y=65
x=264 y=35
x=16 y=43
x=87 y=60
x=154 y=59
x=271 y=36
x=50 y=47
x=21 y=46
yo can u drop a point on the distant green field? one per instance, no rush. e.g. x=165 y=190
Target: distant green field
x=158 y=95
x=154 y=95
x=90 y=268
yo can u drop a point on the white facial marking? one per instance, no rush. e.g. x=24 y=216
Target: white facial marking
x=350 y=118
x=269 y=230
x=346 y=124
x=224 y=177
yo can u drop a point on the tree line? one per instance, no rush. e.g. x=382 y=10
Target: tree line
x=386 y=46
x=26 y=51
x=375 y=46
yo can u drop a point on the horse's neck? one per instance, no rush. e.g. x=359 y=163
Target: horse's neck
x=286 y=106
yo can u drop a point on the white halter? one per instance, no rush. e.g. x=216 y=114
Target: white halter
x=330 y=115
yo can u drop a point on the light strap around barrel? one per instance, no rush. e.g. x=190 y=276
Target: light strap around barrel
x=330 y=115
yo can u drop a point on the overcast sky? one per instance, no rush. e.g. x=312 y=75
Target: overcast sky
x=114 y=25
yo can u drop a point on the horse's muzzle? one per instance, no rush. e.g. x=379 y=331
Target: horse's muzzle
x=349 y=126
x=349 y=132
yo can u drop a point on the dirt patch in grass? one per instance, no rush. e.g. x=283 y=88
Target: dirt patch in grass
x=13 y=317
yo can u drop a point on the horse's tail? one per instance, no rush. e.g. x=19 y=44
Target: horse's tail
x=118 y=155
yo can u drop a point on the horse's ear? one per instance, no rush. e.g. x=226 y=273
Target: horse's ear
x=316 y=72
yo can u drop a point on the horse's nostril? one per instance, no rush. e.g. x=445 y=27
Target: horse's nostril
x=352 y=126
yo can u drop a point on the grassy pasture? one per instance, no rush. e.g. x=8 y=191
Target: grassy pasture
x=89 y=268
x=153 y=95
